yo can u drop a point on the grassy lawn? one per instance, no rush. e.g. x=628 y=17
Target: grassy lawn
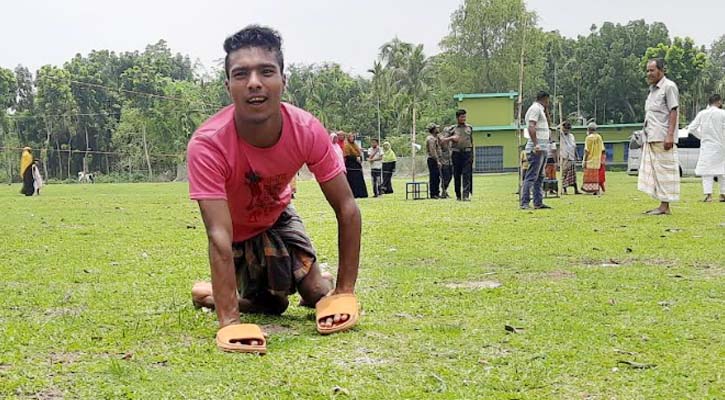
x=95 y=280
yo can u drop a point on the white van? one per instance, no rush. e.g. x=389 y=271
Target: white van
x=688 y=151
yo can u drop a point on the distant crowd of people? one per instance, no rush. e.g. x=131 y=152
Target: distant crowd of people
x=659 y=171
x=382 y=164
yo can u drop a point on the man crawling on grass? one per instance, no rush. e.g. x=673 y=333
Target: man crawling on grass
x=240 y=163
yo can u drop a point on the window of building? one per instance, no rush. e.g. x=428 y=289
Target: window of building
x=488 y=159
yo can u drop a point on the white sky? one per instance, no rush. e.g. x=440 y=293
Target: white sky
x=38 y=32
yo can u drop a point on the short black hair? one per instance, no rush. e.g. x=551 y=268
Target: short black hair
x=460 y=112
x=541 y=95
x=659 y=63
x=374 y=140
x=254 y=36
x=714 y=99
x=566 y=124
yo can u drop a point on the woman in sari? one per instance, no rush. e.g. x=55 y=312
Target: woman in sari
x=353 y=164
x=26 y=172
x=593 y=161
x=389 y=160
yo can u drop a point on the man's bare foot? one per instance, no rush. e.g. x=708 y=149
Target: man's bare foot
x=328 y=285
x=203 y=296
x=332 y=321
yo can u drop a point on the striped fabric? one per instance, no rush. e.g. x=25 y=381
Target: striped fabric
x=659 y=174
x=275 y=261
x=568 y=171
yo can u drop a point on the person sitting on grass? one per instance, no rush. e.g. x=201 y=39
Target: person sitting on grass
x=240 y=163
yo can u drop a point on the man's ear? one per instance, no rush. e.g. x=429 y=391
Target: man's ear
x=226 y=86
x=284 y=82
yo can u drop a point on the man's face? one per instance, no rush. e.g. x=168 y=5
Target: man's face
x=718 y=104
x=654 y=74
x=545 y=102
x=461 y=119
x=341 y=136
x=567 y=128
x=375 y=144
x=255 y=84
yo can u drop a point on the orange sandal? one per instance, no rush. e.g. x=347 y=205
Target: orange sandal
x=329 y=306
x=235 y=338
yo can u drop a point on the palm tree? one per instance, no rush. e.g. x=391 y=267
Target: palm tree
x=410 y=78
x=394 y=53
x=380 y=75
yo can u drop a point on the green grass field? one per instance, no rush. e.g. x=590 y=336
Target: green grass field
x=95 y=281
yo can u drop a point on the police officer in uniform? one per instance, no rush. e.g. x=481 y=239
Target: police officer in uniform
x=462 y=156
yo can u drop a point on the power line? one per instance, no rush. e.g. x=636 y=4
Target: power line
x=154 y=95
x=61 y=115
x=79 y=151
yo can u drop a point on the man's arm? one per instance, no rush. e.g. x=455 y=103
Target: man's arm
x=218 y=223
x=694 y=128
x=339 y=196
x=671 y=129
x=532 y=135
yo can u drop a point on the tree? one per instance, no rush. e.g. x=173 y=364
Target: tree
x=55 y=105
x=26 y=93
x=485 y=42
x=8 y=90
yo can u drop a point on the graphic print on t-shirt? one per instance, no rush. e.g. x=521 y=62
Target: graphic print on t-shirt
x=265 y=194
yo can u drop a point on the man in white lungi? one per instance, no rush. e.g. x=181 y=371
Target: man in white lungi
x=709 y=127
x=659 y=174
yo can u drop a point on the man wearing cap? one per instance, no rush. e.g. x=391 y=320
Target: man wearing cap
x=462 y=156
x=434 y=160
x=659 y=174
x=537 y=135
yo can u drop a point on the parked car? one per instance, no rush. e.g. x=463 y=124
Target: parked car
x=688 y=151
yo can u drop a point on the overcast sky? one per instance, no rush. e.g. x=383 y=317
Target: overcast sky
x=38 y=32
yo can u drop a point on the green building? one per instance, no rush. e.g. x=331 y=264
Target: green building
x=493 y=118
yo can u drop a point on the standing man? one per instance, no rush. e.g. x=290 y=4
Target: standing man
x=375 y=157
x=659 y=174
x=462 y=156
x=568 y=156
x=446 y=162
x=537 y=135
x=240 y=163
x=709 y=127
x=434 y=160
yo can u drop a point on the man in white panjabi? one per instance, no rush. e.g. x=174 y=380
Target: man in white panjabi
x=659 y=172
x=709 y=127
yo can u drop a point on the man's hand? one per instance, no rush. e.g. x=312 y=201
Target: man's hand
x=669 y=142
x=672 y=129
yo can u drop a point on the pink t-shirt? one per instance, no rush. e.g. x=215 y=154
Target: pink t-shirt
x=255 y=181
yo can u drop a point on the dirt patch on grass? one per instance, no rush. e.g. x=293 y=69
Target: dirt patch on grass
x=51 y=393
x=710 y=270
x=478 y=285
x=559 y=275
x=553 y=276
x=606 y=263
x=64 y=357
x=58 y=312
x=273 y=329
